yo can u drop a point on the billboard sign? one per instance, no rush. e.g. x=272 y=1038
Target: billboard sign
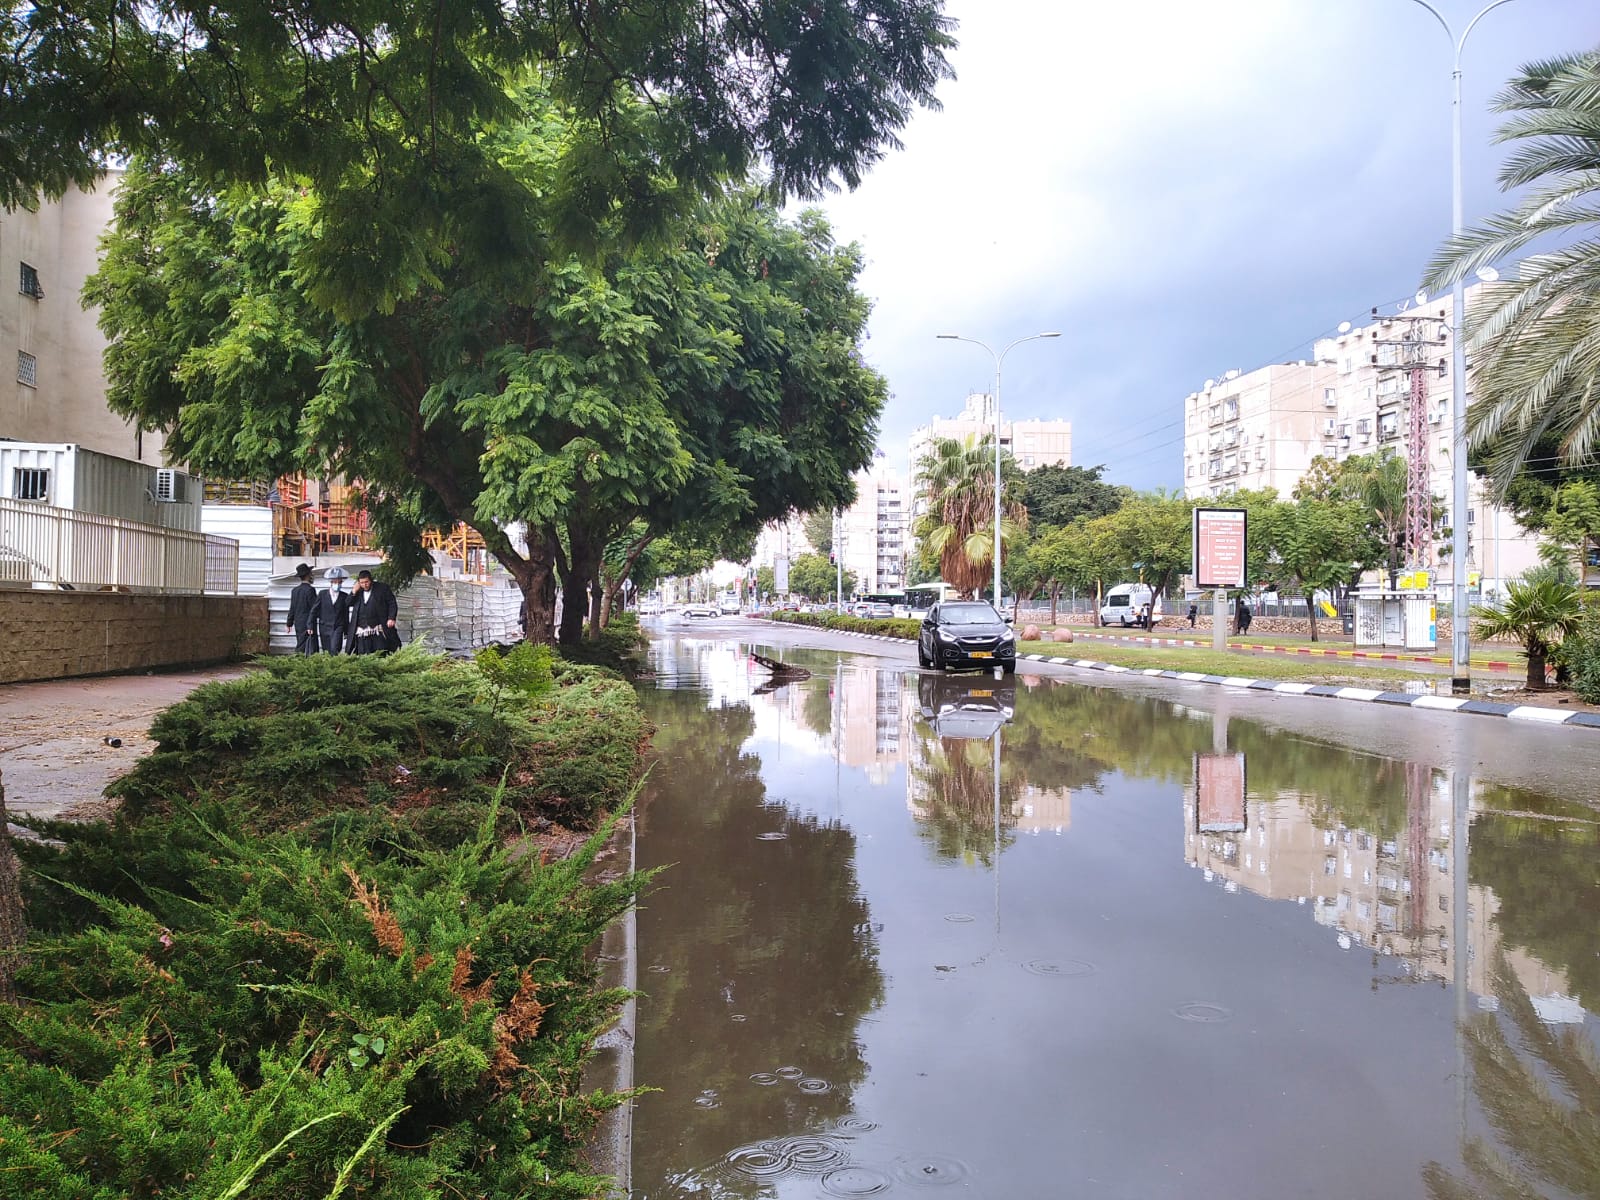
x=1219 y=547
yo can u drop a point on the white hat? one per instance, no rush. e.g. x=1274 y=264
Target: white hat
x=337 y=573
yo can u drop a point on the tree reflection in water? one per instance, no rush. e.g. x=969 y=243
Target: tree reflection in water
x=1540 y=1089
x=768 y=946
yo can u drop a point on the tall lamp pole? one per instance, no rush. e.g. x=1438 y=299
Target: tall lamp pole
x=999 y=359
x=1460 y=654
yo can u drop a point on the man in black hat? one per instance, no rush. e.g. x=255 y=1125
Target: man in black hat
x=333 y=611
x=302 y=612
x=373 y=613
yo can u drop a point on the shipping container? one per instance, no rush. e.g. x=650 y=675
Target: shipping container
x=68 y=476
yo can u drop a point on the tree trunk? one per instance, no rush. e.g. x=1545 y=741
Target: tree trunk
x=1536 y=663
x=1311 y=611
x=596 y=602
x=582 y=565
x=1055 y=598
x=13 y=921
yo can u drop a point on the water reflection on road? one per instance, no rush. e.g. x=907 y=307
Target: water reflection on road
x=1191 y=957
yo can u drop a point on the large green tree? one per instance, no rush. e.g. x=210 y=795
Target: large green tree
x=1535 y=338
x=815 y=578
x=712 y=381
x=1315 y=545
x=381 y=109
x=1056 y=495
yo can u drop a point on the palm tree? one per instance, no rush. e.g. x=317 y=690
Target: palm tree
x=1383 y=492
x=955 y=485
x=1538 y=615
x=1535 y=341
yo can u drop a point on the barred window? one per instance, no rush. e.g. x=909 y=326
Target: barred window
x=27 y=369
x=30 y=285
x=30 y=483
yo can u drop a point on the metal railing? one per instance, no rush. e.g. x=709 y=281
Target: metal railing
x=45 y=546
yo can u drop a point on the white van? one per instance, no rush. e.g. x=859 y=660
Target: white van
x=1123 y=604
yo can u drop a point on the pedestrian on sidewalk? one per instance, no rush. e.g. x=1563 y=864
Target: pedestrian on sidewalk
x=373 y=614
x=302 y=612
x=1244 y=615
x=333 y=612
x=1194 y=611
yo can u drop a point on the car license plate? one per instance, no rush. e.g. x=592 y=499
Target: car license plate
x=981 y=654
x=986 y=694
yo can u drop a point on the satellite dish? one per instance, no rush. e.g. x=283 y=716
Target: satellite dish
x=1210 y=383
x=1488 y=274
x=1344 y=326
x=1421 y=298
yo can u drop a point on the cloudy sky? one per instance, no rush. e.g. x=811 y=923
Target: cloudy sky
x=1180 y=187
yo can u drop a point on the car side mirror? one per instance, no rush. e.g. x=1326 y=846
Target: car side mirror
x=1007 y=620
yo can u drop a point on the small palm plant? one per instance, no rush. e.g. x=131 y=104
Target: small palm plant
x=1538 y=614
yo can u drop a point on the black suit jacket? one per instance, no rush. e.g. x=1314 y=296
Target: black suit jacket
x=302 y=607
x=333 y=619
x=377 y=606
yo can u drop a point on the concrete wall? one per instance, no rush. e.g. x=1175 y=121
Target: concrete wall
x=57 y=635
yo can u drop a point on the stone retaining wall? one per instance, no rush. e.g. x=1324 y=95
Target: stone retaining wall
x=57 y=635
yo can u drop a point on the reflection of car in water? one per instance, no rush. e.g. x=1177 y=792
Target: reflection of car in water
x=965 y=706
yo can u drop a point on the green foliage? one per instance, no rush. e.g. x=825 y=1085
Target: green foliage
x=525 y=671
x=894 y=627
x=814 y=577
x=619 y=648
x=383 y=109
x=407 y=738
x=1535 y=337
x=955 y=482
x=1538 y=615
x=1578 y=655
x=1316 y=544
x=819 y=530
x=1061 y=495
x=289 y=1019
x=1572 y=523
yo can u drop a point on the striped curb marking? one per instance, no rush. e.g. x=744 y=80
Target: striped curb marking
x=1487 y=708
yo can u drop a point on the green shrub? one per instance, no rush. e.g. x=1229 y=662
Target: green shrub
x=1578 y=656
x=302 y=740
x=305 y=1020
x=897 y=627
x=621 y=647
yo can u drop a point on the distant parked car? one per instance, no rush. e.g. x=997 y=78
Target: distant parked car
x=701 y=609
x=880 y=611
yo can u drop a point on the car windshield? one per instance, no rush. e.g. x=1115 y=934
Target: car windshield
x=968 y=614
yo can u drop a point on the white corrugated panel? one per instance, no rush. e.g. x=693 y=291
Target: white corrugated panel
x=251 y=527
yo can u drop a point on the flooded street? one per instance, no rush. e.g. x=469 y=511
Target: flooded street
x=1150 y=948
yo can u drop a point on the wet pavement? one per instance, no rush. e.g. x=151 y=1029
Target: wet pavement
x=1150 y=940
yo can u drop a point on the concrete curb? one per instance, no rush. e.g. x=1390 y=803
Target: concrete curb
x=1482 y=708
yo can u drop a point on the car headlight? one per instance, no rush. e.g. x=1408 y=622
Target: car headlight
x=1009 y=635
x=946 y=636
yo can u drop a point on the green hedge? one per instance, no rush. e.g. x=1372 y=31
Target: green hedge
x=262 y=980
x=894 y=627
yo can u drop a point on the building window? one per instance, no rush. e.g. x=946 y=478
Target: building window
x=30 y=483
x=29 y=284
x=27 y=369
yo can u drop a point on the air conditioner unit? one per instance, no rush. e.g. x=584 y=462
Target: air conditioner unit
x=1328 y=427
x=1435 y=416
x=171 y=486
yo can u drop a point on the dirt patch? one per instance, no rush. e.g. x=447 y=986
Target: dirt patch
x=1562 y=698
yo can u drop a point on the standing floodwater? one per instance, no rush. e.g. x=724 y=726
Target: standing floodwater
x=1194 y=957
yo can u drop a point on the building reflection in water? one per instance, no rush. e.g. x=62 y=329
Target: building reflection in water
x=1392 y=895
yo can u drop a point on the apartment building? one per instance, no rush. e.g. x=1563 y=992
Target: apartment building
x=58 y=390
x=1034 y=442
x=873 y=532
x=1263 y=428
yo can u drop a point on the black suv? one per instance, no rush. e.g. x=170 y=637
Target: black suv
x=966 y=633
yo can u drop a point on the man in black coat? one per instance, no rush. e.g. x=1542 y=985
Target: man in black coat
x=333 y=611
x=373 y=616
x=302 y=620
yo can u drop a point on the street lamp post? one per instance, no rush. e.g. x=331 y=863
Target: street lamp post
x=999 y=359
x=1460 y=654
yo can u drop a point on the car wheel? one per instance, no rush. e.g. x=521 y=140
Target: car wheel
x=923 y=660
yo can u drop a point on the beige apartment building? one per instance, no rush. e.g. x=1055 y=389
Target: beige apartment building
x=874 y=531
x=1263 y=428
x=1034 y=442
x=56 y=390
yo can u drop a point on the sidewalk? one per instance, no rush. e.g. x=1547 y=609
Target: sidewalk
x=53 y=752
